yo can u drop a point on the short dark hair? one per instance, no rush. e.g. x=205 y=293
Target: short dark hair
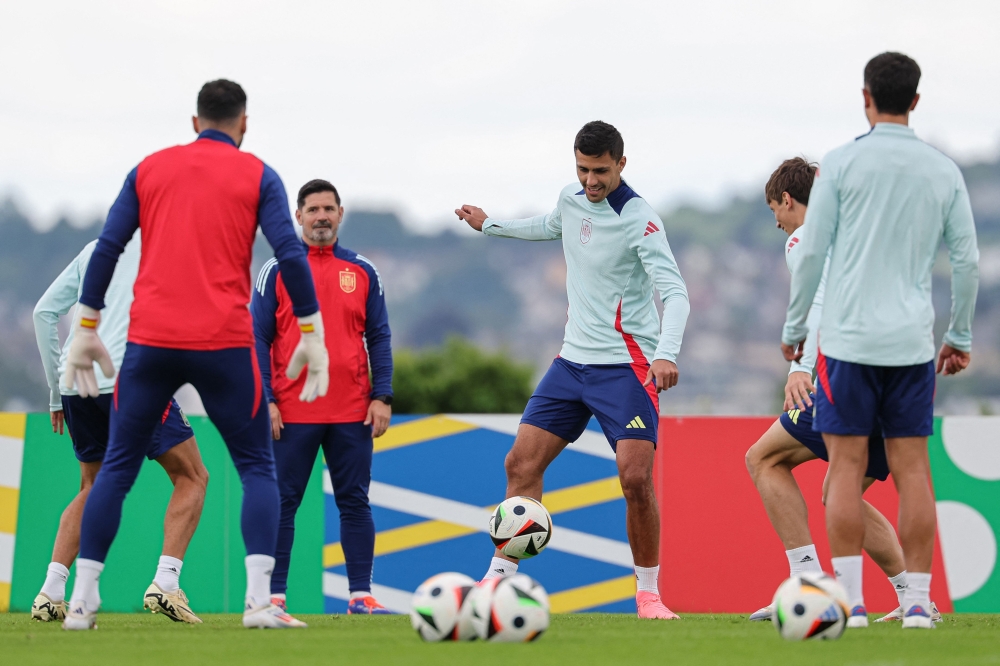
x=892 y=80
x=794 y=176
x=598 y=137
x=315 y=186
x=221 y=100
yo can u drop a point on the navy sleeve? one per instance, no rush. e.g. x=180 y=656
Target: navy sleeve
x=377 y=334
x=263 y=308
x=123 y=220
x=276 y=223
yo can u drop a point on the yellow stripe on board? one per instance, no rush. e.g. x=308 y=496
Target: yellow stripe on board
x=8 y=510
x=420 y=430
x=4 y=597
x=590 y=596
x=13 y=425
x=433 y=531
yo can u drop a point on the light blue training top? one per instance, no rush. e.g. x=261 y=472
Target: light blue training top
x=883 y=203
x=616 y=254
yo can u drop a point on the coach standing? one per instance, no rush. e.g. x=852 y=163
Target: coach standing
x=344 y=422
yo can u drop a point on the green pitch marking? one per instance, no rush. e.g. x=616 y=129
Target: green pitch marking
x=130 y=639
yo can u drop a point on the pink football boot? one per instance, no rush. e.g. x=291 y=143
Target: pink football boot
x=651 y=608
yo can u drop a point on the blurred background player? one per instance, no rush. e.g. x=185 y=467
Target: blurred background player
x=352 y=300
x=87 y=419
x=198 y=206
x=616 y=255
x=883 y=203
x=791 y=441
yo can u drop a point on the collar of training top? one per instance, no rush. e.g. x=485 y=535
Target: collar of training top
x=322 y=249
x=216 y=135
x=893 y=128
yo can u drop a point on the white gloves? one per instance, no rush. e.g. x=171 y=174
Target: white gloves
x=311 y=351
x=85 y=350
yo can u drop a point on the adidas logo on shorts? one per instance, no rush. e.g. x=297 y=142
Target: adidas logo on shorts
x=636 y=423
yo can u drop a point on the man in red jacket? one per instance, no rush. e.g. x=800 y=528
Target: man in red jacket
x=352 y=301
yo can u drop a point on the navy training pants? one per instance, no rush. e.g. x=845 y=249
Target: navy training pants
x=347 y=448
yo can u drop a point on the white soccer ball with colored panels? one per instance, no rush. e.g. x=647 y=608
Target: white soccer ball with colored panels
x=437 y=608
x=520 y=527
x=509 y=610
x=810 y=606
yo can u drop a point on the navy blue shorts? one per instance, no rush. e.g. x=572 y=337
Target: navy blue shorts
x=88 y=421
x=570 y=393
x=856 y=399
x=799 y=425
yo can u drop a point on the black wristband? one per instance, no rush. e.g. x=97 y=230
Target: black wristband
x=387 y=399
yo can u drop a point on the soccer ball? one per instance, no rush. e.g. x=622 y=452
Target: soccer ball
x=520 y=527
x=509 y=610
x=437 y=607
x=810 y=605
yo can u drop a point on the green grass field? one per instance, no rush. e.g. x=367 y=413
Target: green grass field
x=571 y=640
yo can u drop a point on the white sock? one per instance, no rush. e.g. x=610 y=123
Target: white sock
x=899 y=584
x=283 y=597
x=360 y=594
x=848 y=570
x=54 y=586
x=86 y=589
x=168 y=574
x=918 y=591
x=803 y=559
x=500 y=568
x=646 y=579
x=259 y=569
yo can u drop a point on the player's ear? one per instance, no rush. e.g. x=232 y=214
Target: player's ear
x=195 y=125
x=298 y=216
x=786 y=200
x=243 y=123
x=868 y=97
x=913 y=104
x=621 y=164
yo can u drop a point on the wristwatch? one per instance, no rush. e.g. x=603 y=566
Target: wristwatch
x=387 y=399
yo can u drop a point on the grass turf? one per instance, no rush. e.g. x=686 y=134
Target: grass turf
x=571 y=640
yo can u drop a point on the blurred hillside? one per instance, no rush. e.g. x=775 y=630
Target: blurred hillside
x=505 y=294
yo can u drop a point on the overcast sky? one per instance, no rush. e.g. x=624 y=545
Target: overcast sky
x=421 y=107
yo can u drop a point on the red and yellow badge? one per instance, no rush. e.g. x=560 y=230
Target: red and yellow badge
x=348 y=281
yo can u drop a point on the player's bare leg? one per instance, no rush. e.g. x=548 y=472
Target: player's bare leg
x=50 y=604
x=642 y=523
x=533 y=451
x=845 y=517
x=917 y=523
x=184 y=466
x=770 y=462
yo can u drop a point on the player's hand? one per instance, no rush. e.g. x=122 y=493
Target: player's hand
x=797 y=391
x=793 y=352
x=662 y=374
x=57 y=418
x=473 y=215
x=86 y=349
x=311 y=351
x=276 y=424
x=378 y=417
x=952 y=361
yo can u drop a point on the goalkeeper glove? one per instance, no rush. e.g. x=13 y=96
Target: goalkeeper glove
x=311 y=351
x=85 y=350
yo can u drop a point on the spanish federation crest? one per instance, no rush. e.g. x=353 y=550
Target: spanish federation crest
x=348 y=281
x=586 y=230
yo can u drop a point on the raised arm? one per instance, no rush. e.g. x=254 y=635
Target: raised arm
x=538 y=228
x=963 y=253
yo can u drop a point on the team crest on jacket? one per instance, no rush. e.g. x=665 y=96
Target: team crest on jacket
x=586 y=230
x=348 y=281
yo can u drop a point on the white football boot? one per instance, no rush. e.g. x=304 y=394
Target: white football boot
x=858 y=619
x=763 y=615
x=46 y=610
x=897 y=615
x=173 y=605
x=917 y=618
x=269 y=617
x=79 y=618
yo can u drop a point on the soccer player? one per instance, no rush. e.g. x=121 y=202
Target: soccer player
x=791 y=441
x=616 y=254
x=173 y=443
x=351 y=298
x=198 y=206
x=883 y=203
